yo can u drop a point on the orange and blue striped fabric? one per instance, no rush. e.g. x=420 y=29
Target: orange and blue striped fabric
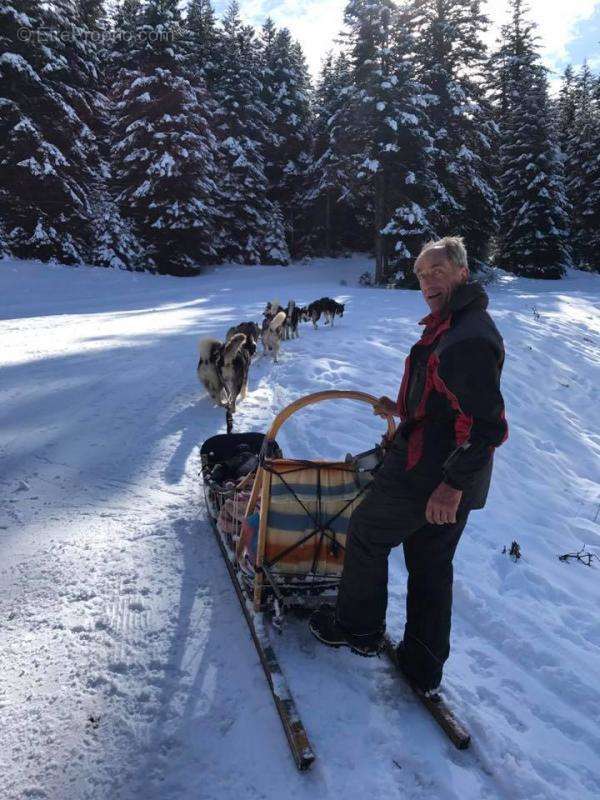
x=289 y=521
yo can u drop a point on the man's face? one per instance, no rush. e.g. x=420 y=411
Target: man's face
x=438 y=277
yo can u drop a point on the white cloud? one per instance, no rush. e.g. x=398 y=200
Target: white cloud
x=314 y=23
x=317 y=23
x=556 y=24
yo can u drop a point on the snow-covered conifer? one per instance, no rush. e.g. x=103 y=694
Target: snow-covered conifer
x=534 y=224
x=452 y=58
x=243 y=123
x=164 y=150
x=48 y=153
x=286 y=93
x=582 y=164
x=327 y=206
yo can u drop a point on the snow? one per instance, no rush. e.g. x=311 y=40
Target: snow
x=164 y=167
x=371 y=164
x=408 y=119
x=17 y=62
x=127 y=668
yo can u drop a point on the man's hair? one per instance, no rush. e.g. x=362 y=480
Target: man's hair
x=454 y=250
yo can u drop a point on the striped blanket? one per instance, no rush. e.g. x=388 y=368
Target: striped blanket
x=309 y=506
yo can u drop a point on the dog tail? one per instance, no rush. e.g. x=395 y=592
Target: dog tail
x=229 y=420
x=233 y=347
x=205 y=348
x=277 y=321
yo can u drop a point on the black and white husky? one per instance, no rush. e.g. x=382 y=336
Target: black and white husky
x=223 y=369
x=293 y=316
x=297 y=315
x=272 y=331
x=326 y=306
x=252 y=333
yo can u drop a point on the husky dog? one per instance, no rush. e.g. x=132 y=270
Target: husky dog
x=252 y=333
x=287 y=325
x=272 y=328
x=223 y=369
x=297 y=316
x=273 y=307
x=330 y=308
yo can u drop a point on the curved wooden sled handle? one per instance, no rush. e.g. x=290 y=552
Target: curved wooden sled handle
x=319 y=397
x=308 y=400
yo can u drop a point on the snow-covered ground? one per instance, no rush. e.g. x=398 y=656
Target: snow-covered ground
x=127 y=670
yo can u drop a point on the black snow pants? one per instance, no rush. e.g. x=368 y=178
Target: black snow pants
x=393 y=513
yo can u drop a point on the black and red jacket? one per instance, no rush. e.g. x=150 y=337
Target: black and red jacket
x=450 y=404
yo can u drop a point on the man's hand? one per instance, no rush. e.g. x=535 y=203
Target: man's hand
x=385 y=407
x=443 y=505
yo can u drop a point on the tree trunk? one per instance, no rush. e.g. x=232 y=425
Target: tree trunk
x=380 y=248
x=328 y=224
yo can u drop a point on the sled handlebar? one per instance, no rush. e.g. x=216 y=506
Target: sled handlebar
x=319 y=397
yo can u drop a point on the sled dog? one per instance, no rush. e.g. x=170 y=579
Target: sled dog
x=252 y=333
x=272 y=328
x=223 y=369
x=330 y=308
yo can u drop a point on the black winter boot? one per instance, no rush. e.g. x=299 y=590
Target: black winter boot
x=325 y=627
x=416 y=680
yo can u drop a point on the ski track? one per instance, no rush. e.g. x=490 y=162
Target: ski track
x=127 y=667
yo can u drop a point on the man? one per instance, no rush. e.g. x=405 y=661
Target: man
x=436 y=470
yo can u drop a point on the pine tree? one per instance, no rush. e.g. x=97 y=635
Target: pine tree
x=566 y=108
x=370 y=116
x=48 y=153
x=3 y=244
x=414 y=187
x=327 y=207
x=453 y=58
x=385 y=132
x=124 y=49
x=533 y=236
x=243 y=122
x=164 y=152
x=582 y=161
x=286 y=93
x=203 y=36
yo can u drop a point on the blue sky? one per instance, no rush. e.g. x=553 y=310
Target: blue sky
x=569 y=31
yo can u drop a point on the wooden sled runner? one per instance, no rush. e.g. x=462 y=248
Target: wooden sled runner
x=281 y=525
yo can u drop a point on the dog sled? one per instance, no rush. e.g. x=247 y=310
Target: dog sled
x=281 y=525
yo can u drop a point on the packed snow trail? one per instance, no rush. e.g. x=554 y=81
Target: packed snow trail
x=127 y=669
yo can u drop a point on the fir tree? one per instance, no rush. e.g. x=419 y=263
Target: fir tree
x=582 y=161
x=3 y=244
x=48 y=153
x=370 y=117
x=242 y=122
x=533 y=236
x=285 y=92
x=164 y=151
x=385 y=126
x=566 y=108
x=414 y=187
x=124 y=50
x=453 y=59
x=331 y=222
x=203 y=36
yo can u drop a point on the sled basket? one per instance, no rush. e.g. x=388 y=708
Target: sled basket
x=227 y=492
x=305 y=507
x=282 y=521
